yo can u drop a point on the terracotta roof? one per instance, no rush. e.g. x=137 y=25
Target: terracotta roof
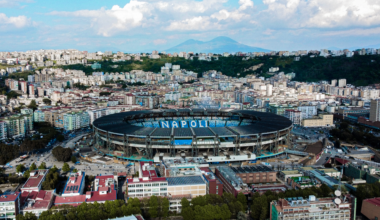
x=70 y=200
x=9 y=197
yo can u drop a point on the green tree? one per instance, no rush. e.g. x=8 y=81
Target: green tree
x=20 y=168
x=243 y=200
x=187 y=213
x=165 y=207
x=26 y=216
x=33 y=105
x=199 y=200
x=60 y=138
x=65 y=167
x=42 y=166
x=47 y=101
x=62 y=154
x=75 y=170
x=54 y=168
x=185 y=203
x=226 y=214
x=73 y=159
x=32 y=167
x=326 y=191
x=153 y=206
x=26 y=174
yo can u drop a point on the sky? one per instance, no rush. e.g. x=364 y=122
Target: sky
x=146 y=25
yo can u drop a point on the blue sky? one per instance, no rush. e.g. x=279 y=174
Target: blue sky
x=145 y=25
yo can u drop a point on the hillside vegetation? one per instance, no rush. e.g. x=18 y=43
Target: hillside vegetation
x=358 y=70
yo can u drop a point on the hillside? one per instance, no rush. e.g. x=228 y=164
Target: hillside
x=358 y=70
x=216 y=45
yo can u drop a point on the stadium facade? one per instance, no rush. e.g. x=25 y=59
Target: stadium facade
x=216 y=135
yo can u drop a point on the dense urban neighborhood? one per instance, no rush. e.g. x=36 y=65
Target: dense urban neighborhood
x=285 y=135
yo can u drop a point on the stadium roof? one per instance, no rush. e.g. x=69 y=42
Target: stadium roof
x=262 y=123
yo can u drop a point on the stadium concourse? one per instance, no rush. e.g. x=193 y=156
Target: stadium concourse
x=217 y=135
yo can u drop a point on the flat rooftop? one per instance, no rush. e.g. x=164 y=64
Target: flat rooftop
x=290 y=172
x=189 y=180
x=35 y=178
x=9 y=197
x=73 y=184
x=252 y=169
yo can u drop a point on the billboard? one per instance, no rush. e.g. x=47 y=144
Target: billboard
x=184 y=124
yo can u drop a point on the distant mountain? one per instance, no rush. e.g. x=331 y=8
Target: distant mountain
x=216 y=45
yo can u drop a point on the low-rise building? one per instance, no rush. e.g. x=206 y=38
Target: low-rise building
x=313 y=208
x=74 y=185
x=255 y=174
x=324 y=120
x=231 y=182
x=35 y=180
x=36 y=202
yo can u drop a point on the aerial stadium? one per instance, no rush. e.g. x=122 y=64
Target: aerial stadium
x=217 y=135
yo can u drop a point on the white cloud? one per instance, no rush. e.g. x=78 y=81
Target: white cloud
x=13 y=3
x=159 y=41
x=196 y=23
x=14 y=22
x=244 y=4
x=320 y=13
x=109 y=22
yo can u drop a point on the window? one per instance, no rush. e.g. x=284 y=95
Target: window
x=147 y=185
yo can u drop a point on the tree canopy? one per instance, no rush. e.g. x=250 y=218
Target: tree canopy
x=62 y=154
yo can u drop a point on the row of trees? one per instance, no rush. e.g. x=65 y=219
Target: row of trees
x=213 y=206
x=354 y=134
x=85 y=211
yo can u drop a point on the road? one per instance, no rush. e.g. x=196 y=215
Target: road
x=90 y=168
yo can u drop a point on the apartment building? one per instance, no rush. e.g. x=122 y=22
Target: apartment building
x=9 y=205
x=294 y=115
x=148 y=183
x=18 y=125
x=374 y=114
x=76 y=120
x=3 y=130
x=313 y=208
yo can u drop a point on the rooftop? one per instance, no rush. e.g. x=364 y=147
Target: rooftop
x=189 y=180
x=35 y=179
x=9 y=197
x=73 y=184
x=36 y=200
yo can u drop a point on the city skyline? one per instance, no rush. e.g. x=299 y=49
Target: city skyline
x=142 y=26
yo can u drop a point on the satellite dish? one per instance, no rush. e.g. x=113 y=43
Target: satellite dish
x=337 y=201
x=337 y=193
